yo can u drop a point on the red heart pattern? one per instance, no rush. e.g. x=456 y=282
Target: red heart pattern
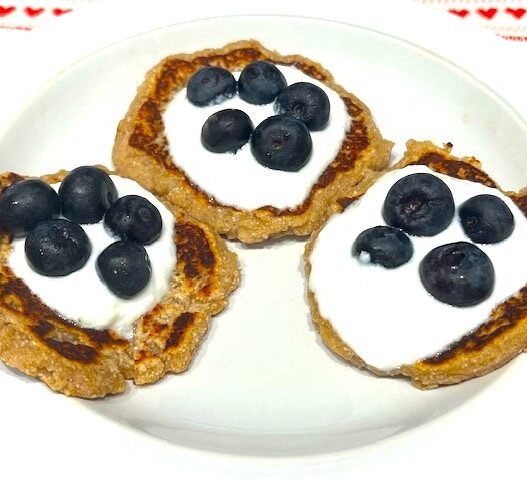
x=460 y=13
x=4 y=11
x=33 y=12
x=60 y=11
x=516 y=12
x=488 y=13
x=505 y=18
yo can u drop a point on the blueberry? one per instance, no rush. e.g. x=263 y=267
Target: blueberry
x=385 y=246
x=420 y=204
x=459 y=274
x=57 y=247
x=210 y=86
x=86 y=193
x=134 y=218
x=486 y=219
x=124 y=267
x=260 y=83
x=226 y=131
x=282 y=142
x=307 y=102
x=23 y=205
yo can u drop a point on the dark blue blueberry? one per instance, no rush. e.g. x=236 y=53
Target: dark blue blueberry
x=226 y=131
x=57 y=247
x=420 y=204
x=486 y=219
x=459 y=274
x=85 y=194
x=23 y=205
x=134 y=218
x=124 y=267
x=210 y=86
x=260 y=83
x=385 y=246
x=282 y=142
x=307 y=102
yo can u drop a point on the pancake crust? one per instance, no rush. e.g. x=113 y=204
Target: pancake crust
x=141 y=148
x=497 y=341
x=91 y=363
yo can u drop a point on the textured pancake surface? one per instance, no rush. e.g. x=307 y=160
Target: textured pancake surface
x=141 y=148
x=497 y=341
x=91 y=363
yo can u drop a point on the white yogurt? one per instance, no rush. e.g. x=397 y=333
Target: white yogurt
x=386 y=315
x=238 y=179
x=81 y=297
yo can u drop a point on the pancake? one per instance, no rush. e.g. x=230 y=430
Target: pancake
x=141 y=150
x=497 y=340
x=90 y=363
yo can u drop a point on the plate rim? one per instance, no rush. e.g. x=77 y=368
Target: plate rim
x=324 y=458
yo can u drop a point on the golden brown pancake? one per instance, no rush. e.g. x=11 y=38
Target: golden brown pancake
x=141 y=148
x=497 y=341
x=91 y=363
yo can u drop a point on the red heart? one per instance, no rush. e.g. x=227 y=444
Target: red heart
x=4 y=11
x=488 y=14
x=516 y=12
x=33 y=12
x=60 y=11
x=460 y=13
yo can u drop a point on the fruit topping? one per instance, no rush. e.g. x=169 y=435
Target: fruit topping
x=420 y=204
x=282 y=142
x=260 y=83
x=134 y=218
x=57 y=247
x=124 y=267
x=486 y=219
x=226 y=131
x=210 y=86
x=23 y=205
x=386 y=246
x=86 y=193
x=459 y=274
x=307 y=102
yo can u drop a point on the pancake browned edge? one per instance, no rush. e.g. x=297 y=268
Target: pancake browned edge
x=141 y=148
x=90 y=363
x=490 y=346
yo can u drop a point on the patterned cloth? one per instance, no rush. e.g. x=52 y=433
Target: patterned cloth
x=507 y=18
x=26 y=15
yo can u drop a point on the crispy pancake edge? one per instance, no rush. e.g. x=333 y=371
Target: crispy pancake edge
x=93 y=363
x=141 y=148
x=498 y=340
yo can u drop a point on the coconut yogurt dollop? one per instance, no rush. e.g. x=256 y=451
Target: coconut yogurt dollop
x=238 y=179
x=81 y=297
x=386 y=315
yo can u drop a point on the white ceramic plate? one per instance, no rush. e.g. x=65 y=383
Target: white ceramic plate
x=263 y=390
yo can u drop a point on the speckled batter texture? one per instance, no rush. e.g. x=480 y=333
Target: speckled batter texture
x=91 y=363
x=497 y=341
x=141 y=148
